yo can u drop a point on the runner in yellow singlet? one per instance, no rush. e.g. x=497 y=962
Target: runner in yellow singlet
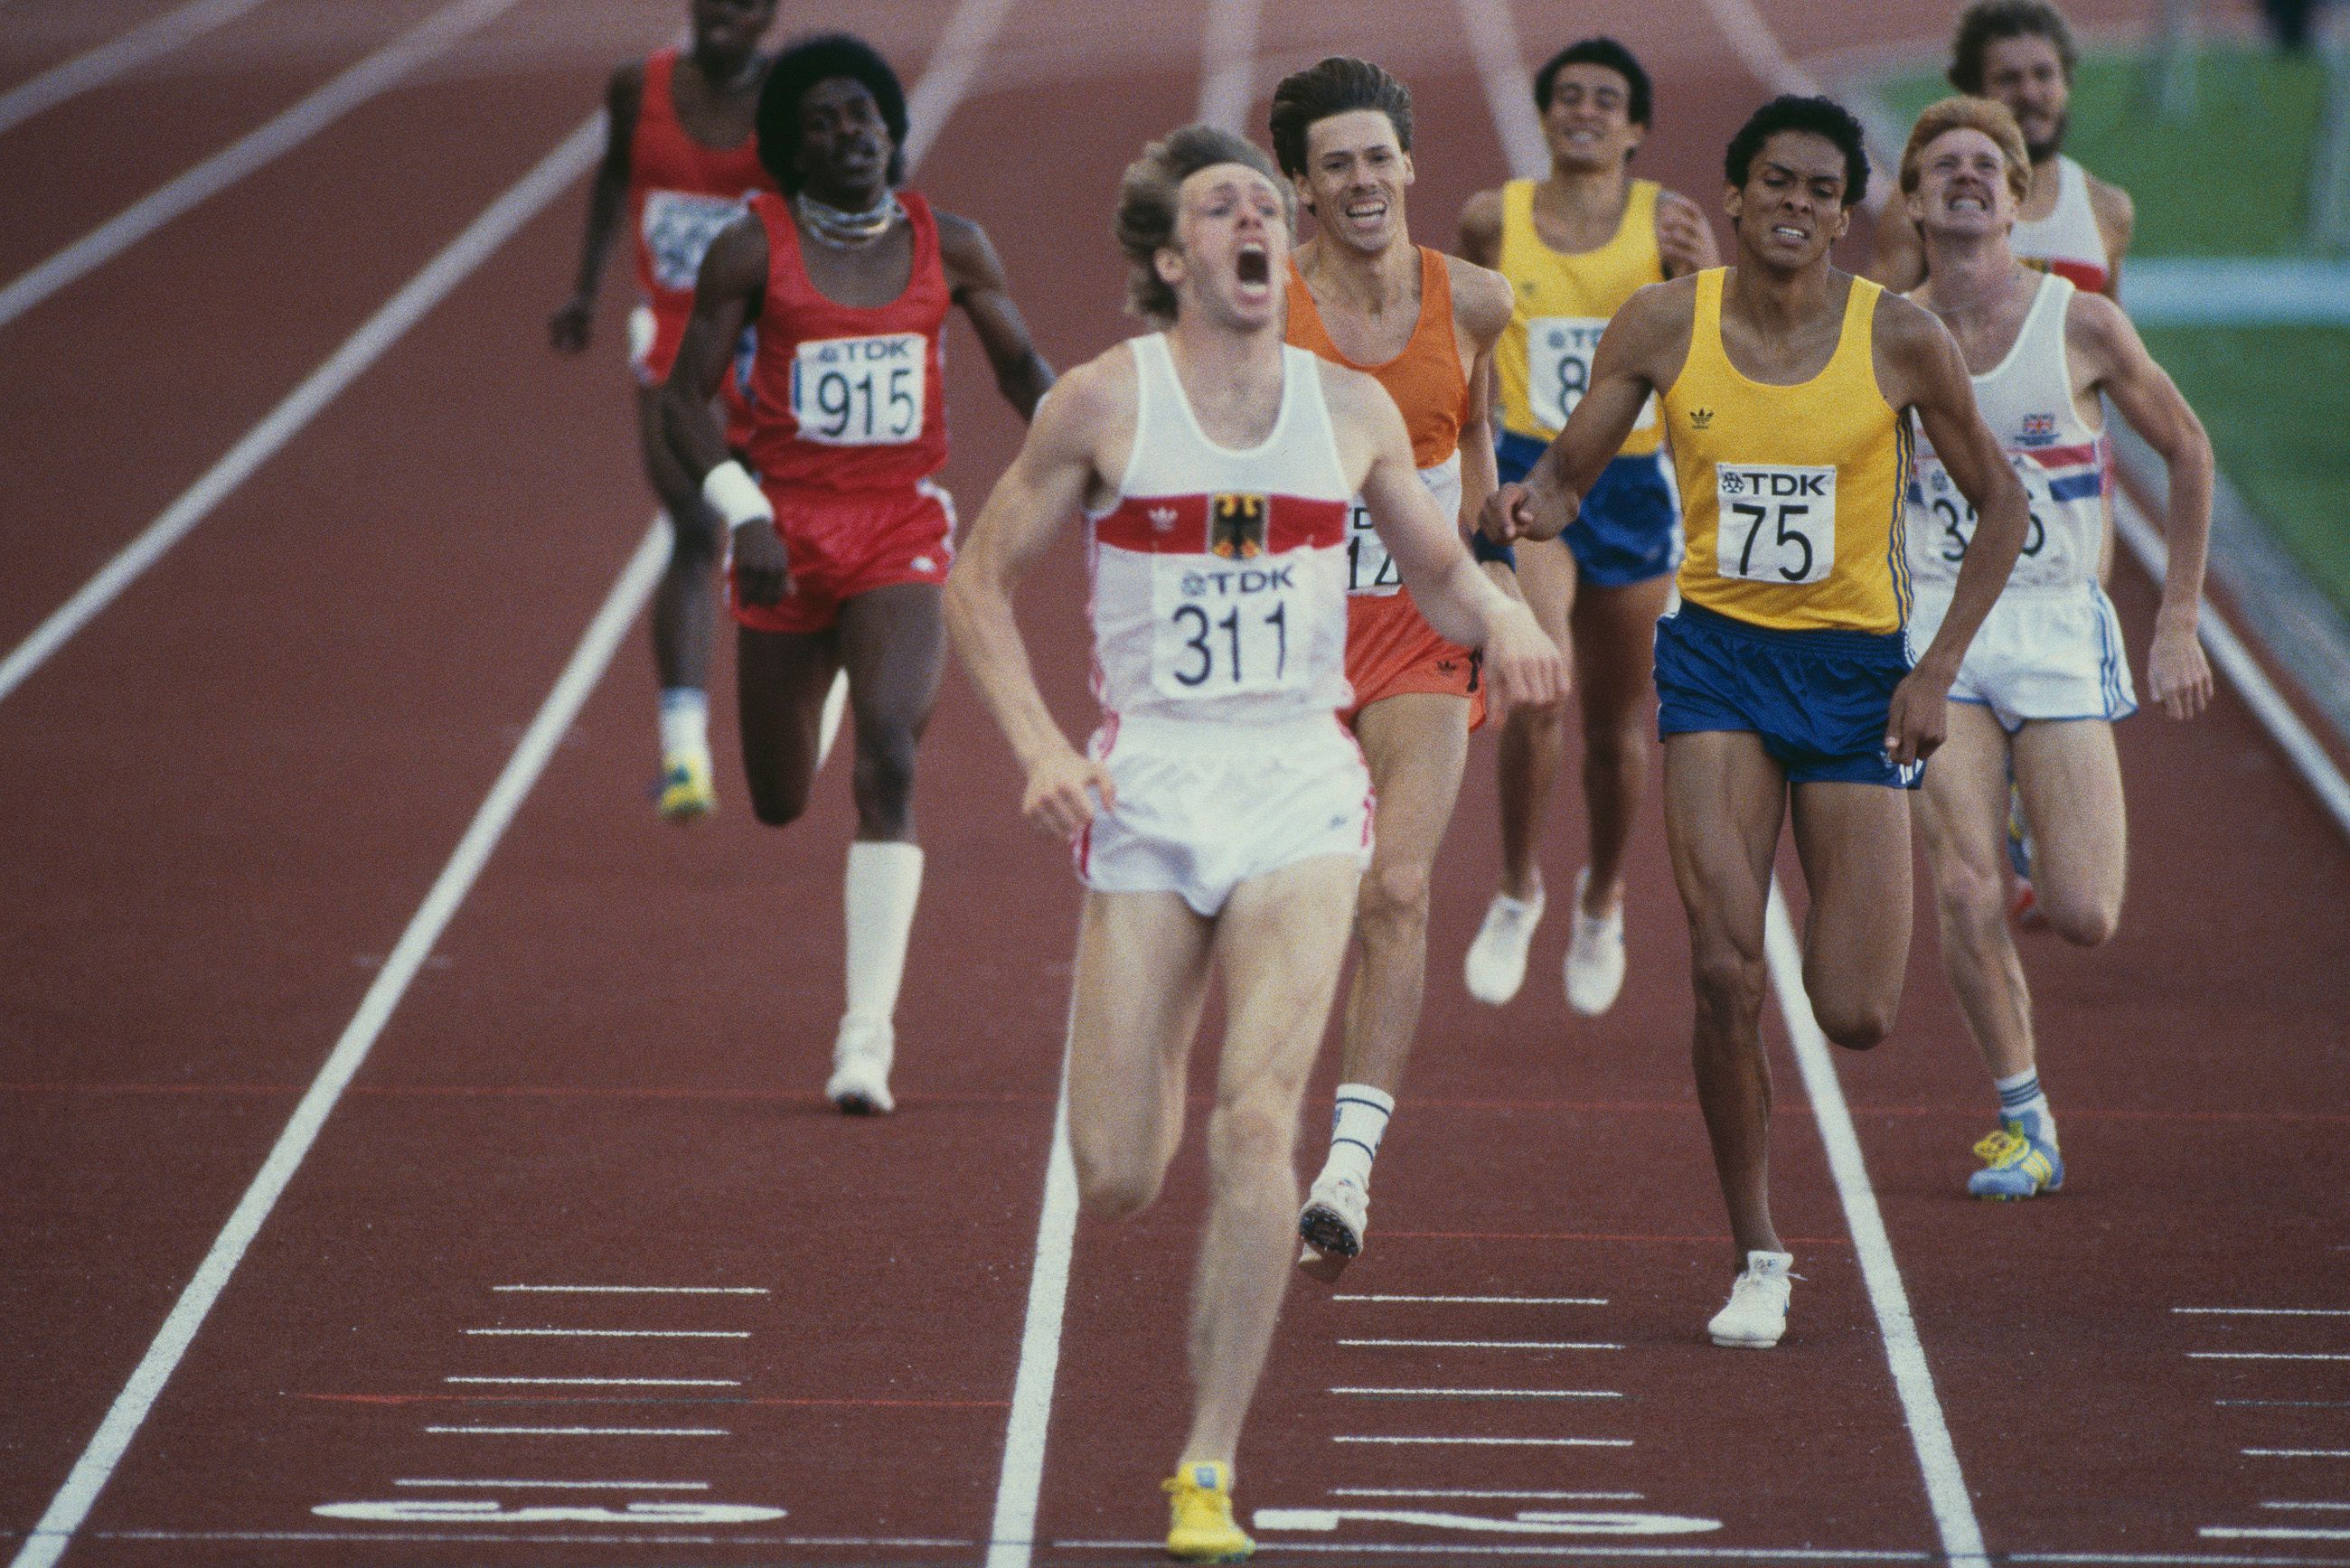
x=1785 y=680
x=1576 y=246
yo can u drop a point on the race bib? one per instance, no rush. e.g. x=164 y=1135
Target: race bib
x=1559 y=351
x=859 y=391
x=1234 y=621
x=678 y=229
x=1370 y=570
x=1949 y=522
x=1777 y=521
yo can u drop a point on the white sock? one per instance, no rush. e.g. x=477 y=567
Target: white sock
x=1360 y=1121
x=684 y=718
x=884 y=881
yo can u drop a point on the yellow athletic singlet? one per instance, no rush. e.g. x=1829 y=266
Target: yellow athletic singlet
x=1791 y=495
x=1563 y=302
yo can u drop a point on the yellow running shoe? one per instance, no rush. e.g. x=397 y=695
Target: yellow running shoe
x=685 y=791
x=1199 y=1501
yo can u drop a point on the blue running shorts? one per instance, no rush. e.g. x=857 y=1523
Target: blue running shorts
x=1629 y=528
x=1819 y=700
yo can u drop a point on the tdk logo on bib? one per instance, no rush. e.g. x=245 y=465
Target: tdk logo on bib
x=1248 y=580
x=848 y=353
x=1777 y=483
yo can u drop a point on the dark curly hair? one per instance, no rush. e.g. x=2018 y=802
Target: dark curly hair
x=1986 y=21
x=1819 y=117
x=800 y=67
x=1604 y=52
x=1334 y=86
x=1147 y=206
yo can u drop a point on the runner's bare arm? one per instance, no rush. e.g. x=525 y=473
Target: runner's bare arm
x=975 y=282
x=1919 y=366
x=1641 y=353
x=727 y=293
x=1522 y=662
x=1684 y=239
x=571 y=326
x=1480 y=229
x=2117 y=217
x=2100 y=339
x=1081 y=418
x=1481 y=305
x=1899 y=262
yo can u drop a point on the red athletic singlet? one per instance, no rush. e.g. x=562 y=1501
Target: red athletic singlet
x=842 y=398
x=680 y=193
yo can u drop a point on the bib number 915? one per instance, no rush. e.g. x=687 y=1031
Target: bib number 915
x=859 y=391
x=1776 y=521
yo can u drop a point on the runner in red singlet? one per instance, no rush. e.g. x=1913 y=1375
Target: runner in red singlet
x=678 y=163
x=840 y=544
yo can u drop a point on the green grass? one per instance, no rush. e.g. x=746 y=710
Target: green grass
x=2229 y=181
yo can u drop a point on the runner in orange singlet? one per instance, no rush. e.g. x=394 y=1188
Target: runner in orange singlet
x=1424 y=325
x=679 y=160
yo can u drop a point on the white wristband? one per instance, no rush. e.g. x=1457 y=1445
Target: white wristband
x=734 y=495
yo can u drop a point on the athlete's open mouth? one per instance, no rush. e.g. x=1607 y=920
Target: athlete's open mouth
x=1254 y=265
x=1788 y=232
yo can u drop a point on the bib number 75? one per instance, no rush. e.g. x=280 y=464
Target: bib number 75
x=1776 y=522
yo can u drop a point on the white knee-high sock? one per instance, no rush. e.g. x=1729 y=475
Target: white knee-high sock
x=1359 y=1122
x=884 y=882
x=684 y=718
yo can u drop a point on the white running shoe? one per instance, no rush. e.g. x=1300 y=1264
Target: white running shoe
x=1757 y=1314
x=1594 y=958
x=1496 y=964
x=1336 y=1215
x=861 y=1053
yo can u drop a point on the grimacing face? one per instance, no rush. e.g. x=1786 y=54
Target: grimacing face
x=1231 y=246
x=1962 y=185
x=2027 y=74
x=1791 y=208
x=1356 y=174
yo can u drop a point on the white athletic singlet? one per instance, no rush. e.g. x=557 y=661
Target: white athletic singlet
x=1219 y=576
x=2067 y=242
x=2027 y=401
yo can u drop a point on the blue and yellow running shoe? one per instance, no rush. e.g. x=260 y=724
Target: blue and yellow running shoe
x=1200 y=1499
x=685 y=792
x=2019 y=1162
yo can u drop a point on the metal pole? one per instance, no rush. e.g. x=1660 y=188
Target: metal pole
x=2170 y=65
x=2328 y=204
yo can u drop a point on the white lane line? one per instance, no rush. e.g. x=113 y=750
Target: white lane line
x=1485 y=1301
x=126 y=52
x=1509 y=86
x=2266 y=1311
x=2305 y=1505
x=1228 y=63
x=2295 y=1453
x=567 y=1485
x=1913 y=1381
x=947 y=75
x=611 y=1382
x=1477 y=1345
x=55 y=1530
x=1475 y=1492
x=2244 y=672
x=2268 y=1355
x=2272 y=1533
x=436 y=35
x=496 y=224
x=584 y=1431
x=640 y=1290
x=1011 y=1535
x=616 y=1333
x=1497 y=1442
x=1481 y=1393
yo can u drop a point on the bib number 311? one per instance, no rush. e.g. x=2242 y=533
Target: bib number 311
x=1777 y=521
x=859 y=391
x=1225 y=629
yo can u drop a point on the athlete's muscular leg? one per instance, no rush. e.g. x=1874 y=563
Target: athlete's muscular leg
x=1854 y=842
x=1280 y=941
x=1141 y=979
x=1534 y=743
x=685 y=601
x=780 y=682
x=1724 y=800
x=1418 y=745
x=2072 y=785
x=893 y=643
x=1961 y=813
x=1615 y=632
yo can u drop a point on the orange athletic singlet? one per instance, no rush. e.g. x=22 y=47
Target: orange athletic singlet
x=1390 y=648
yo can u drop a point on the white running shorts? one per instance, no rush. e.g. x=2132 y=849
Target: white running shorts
x=2040 y=655
x=1203 y=807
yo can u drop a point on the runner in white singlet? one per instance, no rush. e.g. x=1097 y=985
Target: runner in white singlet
x=1222 y=813
x=2046 y=676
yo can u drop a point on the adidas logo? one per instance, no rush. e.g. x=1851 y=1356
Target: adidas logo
x=1162 y=518
x=1702 y=418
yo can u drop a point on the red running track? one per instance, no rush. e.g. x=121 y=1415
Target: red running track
x=233 y=789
